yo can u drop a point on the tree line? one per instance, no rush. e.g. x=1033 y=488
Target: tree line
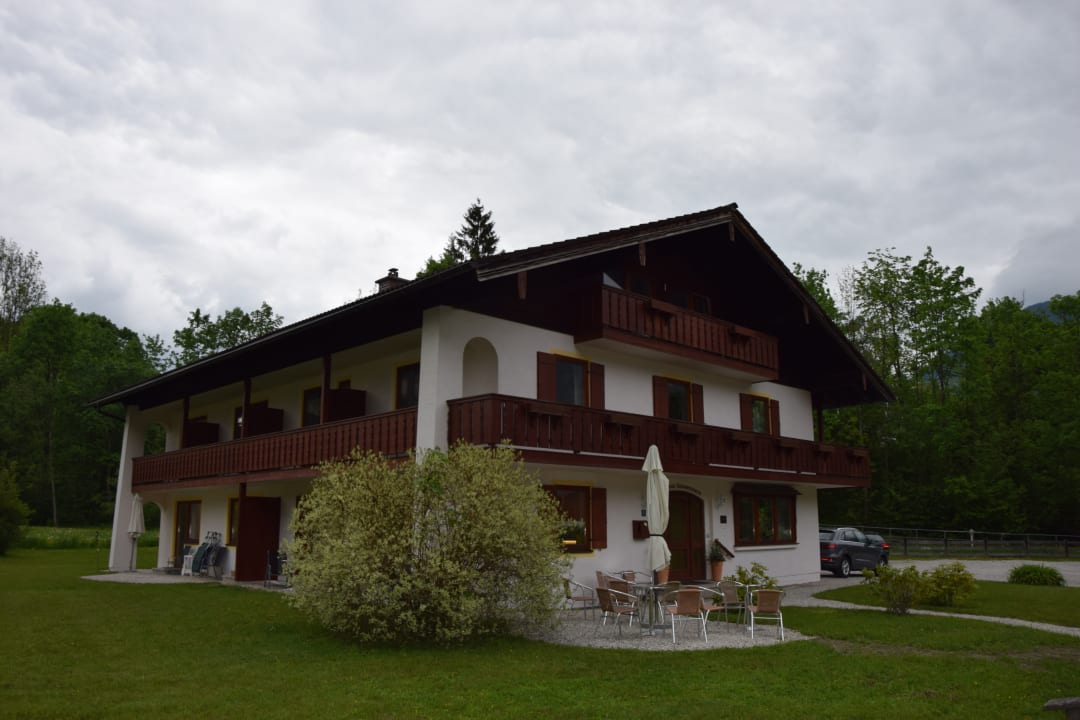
x=984 y=434
x=58 y=456
x=985 y=430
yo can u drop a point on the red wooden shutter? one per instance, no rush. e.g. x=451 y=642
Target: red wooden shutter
x=774 y=417
x=545 y=377
x=697 y=404
x=659 y=396
x=746 y=412
x=598 y=521
x=596 y=386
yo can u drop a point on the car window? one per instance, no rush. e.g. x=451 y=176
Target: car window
x=825 y=535
x=858 y=536
x=848 y=535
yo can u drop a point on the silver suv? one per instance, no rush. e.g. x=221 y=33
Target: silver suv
x=846 y=549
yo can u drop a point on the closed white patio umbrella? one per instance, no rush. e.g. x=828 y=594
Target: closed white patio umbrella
x=656 y=510
x=136 y=525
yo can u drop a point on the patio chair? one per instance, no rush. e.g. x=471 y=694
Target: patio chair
x=714 y=602
x=601 y=579
x=575 y=593
x=766 y=606
x=621 y=585
x=615 y=604
x=688 y=604
x=732 y=598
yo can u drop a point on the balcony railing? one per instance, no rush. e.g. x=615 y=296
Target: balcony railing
x=623 y=316
x=392 y=434
x=555 y=432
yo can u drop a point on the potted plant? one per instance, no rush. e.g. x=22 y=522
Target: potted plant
x=717 y=555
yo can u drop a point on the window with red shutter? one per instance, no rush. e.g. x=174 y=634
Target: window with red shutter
x=573 y=381
x=678 y=399
x=759 y=414
x=586 y=508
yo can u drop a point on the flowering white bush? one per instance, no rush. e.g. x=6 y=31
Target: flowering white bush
x=461 y=544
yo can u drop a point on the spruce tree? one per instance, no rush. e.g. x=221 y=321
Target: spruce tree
x=474 y=240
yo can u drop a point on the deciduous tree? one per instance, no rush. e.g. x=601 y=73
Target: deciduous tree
x=21 y=287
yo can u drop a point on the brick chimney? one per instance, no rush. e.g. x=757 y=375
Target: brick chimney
x=391 y=281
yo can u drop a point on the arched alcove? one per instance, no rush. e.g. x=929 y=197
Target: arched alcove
x=479 y=368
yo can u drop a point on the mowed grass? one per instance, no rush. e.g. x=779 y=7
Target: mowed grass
x=1054 y=605
x=79 y=649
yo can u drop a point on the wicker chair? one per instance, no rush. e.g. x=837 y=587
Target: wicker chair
x=577 y=593
x=688 y=604
x=616 y=605
x=766 y=606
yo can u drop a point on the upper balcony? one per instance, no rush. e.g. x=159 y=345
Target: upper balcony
x=549 y=432
x=617 y=315
x=289 y=453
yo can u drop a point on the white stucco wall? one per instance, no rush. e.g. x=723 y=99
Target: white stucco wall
x=440 y=347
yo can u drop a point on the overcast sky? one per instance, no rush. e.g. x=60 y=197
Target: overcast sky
x=162 y=156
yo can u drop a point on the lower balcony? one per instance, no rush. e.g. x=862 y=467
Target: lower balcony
x=549 y=432
x=290 y=453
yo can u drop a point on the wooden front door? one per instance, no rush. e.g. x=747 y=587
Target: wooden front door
x=686 y=536
x=257 y=535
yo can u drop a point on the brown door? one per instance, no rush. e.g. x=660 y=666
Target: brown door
x=686 y=536
x=257 y=536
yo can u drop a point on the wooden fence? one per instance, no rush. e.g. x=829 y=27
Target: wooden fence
x=922 y=542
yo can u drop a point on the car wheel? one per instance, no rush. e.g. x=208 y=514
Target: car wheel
x=845 y=568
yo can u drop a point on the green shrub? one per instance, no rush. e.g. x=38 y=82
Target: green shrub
x=898 y=589
x=1036 y=575
x=949 y=584
x=756 y=574
x=13 y=512
x=463 y=543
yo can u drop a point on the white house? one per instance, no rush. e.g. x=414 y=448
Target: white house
x=687 y=333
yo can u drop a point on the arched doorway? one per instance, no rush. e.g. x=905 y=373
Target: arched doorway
x=479 y=368
x=686 y=535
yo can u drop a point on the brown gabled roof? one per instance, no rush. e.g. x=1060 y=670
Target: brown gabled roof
x=553 y=253
x=400 y=309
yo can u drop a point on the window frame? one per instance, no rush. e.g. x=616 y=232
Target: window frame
x=594 y=501
x=695 y=403
x=768 y=499
x=547 y=379
x=186 y=539
x=232 y=520
x=771 y=411
x=401 y=401
x=307 y=418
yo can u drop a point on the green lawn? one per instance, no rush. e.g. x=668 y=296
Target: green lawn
x=79 y=649
x=1054 y=605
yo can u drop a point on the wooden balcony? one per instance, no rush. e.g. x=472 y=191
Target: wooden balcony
x=282 y=454
x=615 y=314
x=568 y=434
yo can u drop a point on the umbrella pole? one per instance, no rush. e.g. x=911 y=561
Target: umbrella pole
x=134 y=542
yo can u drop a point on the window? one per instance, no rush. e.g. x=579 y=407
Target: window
x=187 y=522
x=570 y=380
x=407 y=386
x=678 y=399
x=759 y=414
x=232 y=527
x=574 y=381
x=764 y=514
x=311 y=413
x=586 y=511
